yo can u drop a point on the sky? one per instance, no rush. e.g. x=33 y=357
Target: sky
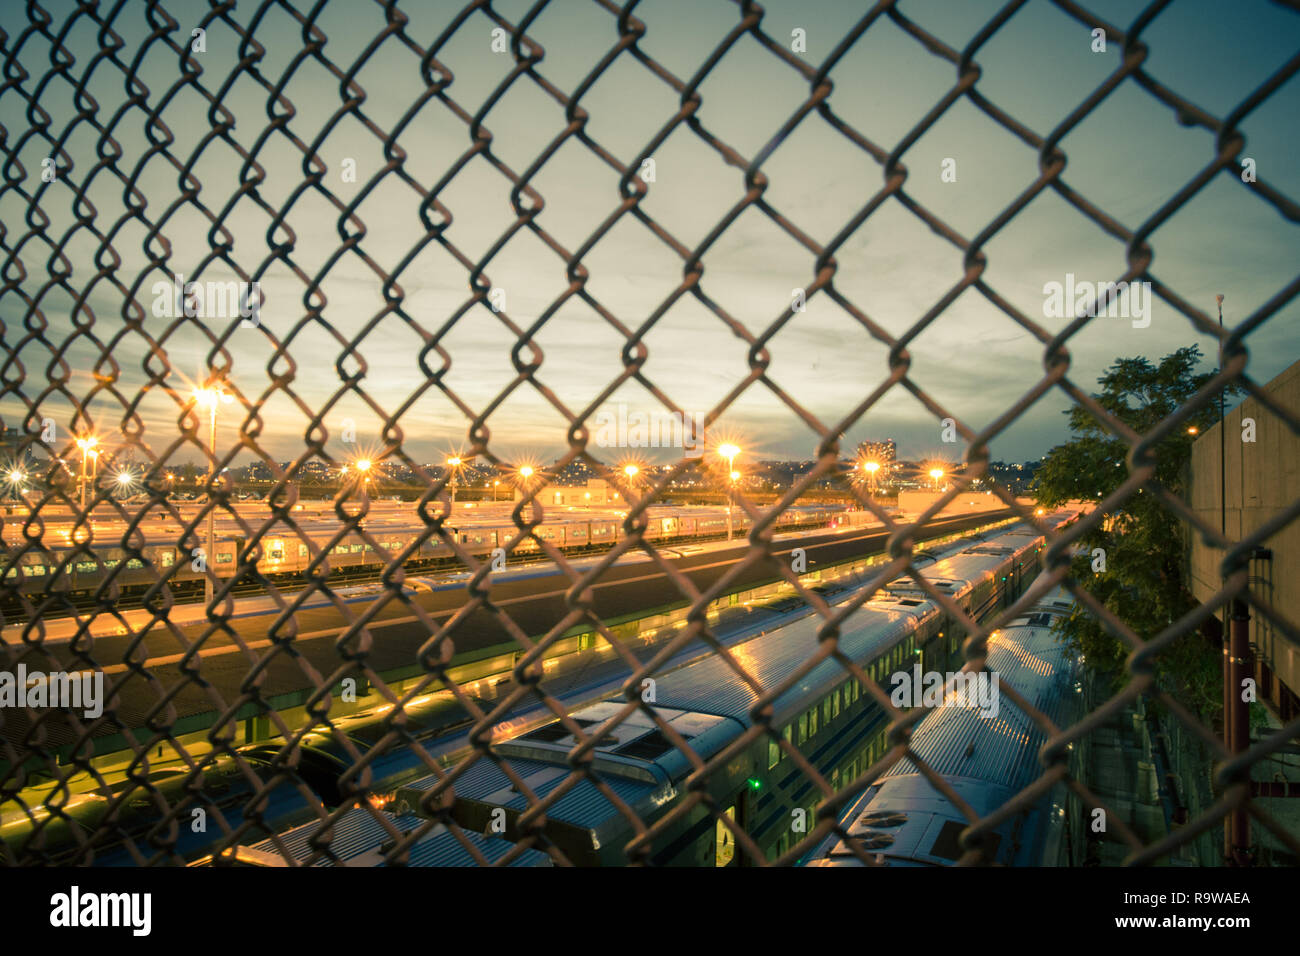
x=1128 y=157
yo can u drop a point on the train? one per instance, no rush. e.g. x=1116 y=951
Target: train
x=127 y=823
x=826 y=714
x=57 y=565
x=363 y=835
x=903 y=820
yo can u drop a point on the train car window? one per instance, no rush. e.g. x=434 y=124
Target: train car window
x=86 y=567
x=835 y=704
x=788 y=732
x=133 y=563
x=168 y=557
x=826 y=711
x=803 y=728
x=224 y=558
x=812 y=722
x=773 y=754
x=302 y=551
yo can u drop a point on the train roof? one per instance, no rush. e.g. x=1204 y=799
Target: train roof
x=951 y=570
x=987 y=760
x=583 y=805
x=712 y=685
x=356 y=839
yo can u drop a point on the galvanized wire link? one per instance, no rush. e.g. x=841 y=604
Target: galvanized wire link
x=79 y=269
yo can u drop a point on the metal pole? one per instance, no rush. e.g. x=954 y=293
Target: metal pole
x=83 y=479
x=212 y=514
x=731 y=487
x=1240 y=667
x=1228 y=695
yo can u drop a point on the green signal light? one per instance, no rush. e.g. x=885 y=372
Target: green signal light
x=754 y=783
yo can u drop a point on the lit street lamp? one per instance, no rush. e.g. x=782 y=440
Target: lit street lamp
x=86 y=444
x=363 y=476
x=211 y=398
x=454 y=463
x=631 y=471
x=730 y=452
x=936 y=474
x=871 y=467
x=16 y=479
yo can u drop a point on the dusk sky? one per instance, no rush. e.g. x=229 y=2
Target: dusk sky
x=1128 y=157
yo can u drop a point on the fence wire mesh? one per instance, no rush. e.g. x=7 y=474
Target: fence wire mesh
x=99 y=98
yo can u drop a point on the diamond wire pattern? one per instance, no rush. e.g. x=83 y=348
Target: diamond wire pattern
x=33 y=342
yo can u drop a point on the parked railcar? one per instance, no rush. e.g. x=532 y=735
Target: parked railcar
x=826 y=715
x=360 y=838
x=902 y=820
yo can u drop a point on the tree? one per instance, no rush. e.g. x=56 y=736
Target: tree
x=1141 y=545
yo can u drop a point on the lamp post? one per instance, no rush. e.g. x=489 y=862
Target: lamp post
x=936 y=474
x=211 y=398
x=730 y=452
x=16 y=479
x=453 y=463
x=871 y=468
x=363 y=477
x=86 y=444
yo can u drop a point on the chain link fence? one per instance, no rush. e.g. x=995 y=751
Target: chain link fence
x=103 y=103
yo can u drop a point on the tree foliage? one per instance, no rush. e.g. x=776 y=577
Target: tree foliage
x=1142 y=544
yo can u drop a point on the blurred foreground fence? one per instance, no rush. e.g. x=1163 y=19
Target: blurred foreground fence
x=125 y=166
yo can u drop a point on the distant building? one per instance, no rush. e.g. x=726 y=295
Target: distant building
x=595 y=492
x=1263 y=480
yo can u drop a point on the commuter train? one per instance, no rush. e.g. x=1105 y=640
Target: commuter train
x=827 y=715
x=359 y=837
x=902 y=820
x=282 y=557
x=102 y=826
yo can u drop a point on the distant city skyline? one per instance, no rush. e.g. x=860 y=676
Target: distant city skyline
x=1127 y=158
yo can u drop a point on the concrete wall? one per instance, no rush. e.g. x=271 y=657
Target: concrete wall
x=1261 y=479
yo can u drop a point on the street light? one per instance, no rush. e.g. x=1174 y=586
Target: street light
x=936 y=474
x=729 y=452
x=454 y=463
x=86 y=444
x=871 y=468
x=211 y=398
x=16 y=479
x=363 y=472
